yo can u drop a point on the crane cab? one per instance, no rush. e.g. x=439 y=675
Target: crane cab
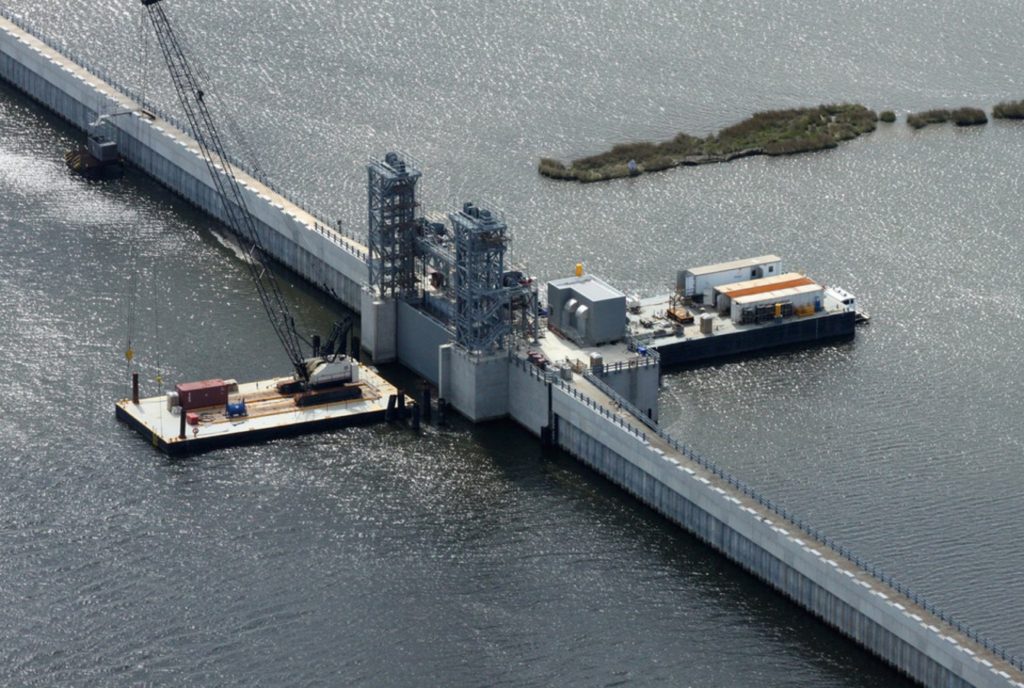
x=325 y=373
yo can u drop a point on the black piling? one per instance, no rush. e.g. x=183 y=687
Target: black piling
x=181 y=424
x=389 y=413
x=425 y=403
x=442 y=407
x=545 y=436
x=416 y=418
x=135 y=388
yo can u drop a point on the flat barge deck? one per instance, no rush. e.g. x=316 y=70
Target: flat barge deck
x=269 y=414
x=684 y=343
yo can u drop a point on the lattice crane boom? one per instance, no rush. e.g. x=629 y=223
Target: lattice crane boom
x=191 y=96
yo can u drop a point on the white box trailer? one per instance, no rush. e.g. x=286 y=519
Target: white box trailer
x=725 y=293
x=798 y=297
x=695 y=282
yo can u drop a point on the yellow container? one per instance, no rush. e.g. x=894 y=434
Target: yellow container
x=778 y=310
x=579 y=269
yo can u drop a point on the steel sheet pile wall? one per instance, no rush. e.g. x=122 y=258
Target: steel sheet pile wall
x=291 y=235
x=809 y=573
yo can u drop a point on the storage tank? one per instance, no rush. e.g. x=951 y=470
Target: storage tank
x=707 y=323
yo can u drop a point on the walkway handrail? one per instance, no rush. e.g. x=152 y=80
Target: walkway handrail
x=102 y=74
x=589 y=402
x=865 y=565
x=621 y=400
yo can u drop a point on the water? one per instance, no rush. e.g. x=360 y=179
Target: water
x=468 y=556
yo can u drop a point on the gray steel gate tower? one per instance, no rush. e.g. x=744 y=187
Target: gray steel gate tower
x=482 y=318
x=392 y=214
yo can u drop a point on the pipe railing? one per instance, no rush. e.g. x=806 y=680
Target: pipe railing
x=868 y=567
x=622 y=401
x=865 y=565
x=148 y=105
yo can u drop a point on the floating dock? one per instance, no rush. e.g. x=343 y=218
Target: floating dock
x=268 y=414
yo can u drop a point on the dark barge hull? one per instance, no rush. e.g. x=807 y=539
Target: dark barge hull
x=767 y=337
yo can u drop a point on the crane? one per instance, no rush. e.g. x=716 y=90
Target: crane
x=310 y=372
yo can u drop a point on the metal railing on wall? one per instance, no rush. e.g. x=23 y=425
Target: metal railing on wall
x=622 y=401
x=345 y=239
x=865 y=565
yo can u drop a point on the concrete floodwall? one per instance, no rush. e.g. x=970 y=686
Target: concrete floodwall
x=419 y=337
x=848 y=599
x=528 y=394
x=290 y=235
x=637 y=380
x=476 y=385
x=929 y=650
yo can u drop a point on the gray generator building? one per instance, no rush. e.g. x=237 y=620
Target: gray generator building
x=587 y=309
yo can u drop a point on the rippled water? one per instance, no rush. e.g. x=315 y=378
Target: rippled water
x=468 y=557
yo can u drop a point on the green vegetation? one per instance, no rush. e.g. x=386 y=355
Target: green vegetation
x=1013 y=109
x=887 y=116
x=962 y=117
x=775 y=132
x=969 y=117
x=919 y=120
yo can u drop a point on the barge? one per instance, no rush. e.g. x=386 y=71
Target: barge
x=200 y=416
x=740 y=307
x=717 y=311
x=711 y=336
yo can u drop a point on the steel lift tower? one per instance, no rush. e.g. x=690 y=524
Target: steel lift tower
x=482 y=302
x=392 y=226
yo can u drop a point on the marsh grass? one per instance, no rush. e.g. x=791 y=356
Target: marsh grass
x=1011 y=109
x=773 y=132
x=968 y=117
x=919 y=120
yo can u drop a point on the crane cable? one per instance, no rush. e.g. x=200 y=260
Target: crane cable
x=141 y=42
x=133 y=268
x=144 y=60
x=131 y=307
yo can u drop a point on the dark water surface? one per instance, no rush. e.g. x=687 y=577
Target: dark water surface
x=468 y=557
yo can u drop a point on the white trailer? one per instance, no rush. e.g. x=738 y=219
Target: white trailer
x=802 y=297
x=695 y=282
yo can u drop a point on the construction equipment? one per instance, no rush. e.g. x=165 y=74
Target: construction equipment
x=239 y=219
